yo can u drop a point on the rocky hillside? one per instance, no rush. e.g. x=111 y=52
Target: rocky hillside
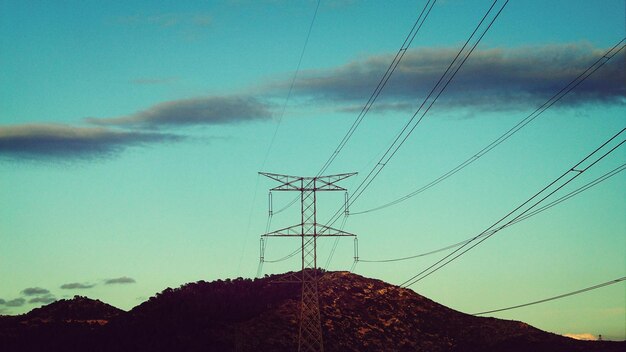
x=358 y=314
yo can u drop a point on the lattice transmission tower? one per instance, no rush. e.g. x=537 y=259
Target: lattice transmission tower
x=310 y=331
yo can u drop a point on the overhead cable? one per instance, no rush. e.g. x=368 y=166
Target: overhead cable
x=530 y=214
x=546 y=105
x=293 y=81
x=383 y=81
x=417 y=25
x=443 y=82
x=568 y=176
x=441 y=85
x=555 y=297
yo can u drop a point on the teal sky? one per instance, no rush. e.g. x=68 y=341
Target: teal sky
x=131 y=135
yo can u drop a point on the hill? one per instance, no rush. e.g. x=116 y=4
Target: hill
x=358 y=314
x=62 y=325
x=77 y=309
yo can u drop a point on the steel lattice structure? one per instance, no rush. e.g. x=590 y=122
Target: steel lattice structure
x=310 y=331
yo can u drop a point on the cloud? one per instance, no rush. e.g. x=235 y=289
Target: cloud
x=18 y=302
x=76 y=285
x=585 y=336
x=35 y=291
x=34 y=141
x=192 y=112
x=497 y=78
x=120 y=280
x=43 y=299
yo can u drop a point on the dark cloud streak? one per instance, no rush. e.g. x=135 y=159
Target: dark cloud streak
x=18 y=302
x=192 y=112
x=35 y=291
x=43 y=299
x=495 y=79
x=76 y=286
x=48 y=141
x=120 y=280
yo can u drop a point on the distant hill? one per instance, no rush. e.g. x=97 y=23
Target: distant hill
x=358 y=314
x=64 y=325
x=77 y=309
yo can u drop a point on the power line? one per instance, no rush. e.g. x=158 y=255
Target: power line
x=417 y=25
x=283 y=258
x=383 y=81
x=293 y=201
x=336 y=242
x=293 y=81
x=549 y=103
x=533 y=213
x=577 y=170
x=441 y=85
x=437 y=90
x=555 y=297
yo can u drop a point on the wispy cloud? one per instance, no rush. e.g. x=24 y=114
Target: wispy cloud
x=497 y=78
x=57 y=141
x=43 y=299
x=35 y=291
x=76 y=286
x=585 y=336
x=36 y=141
x=120 y=280
x=18 y=302
x=191 y=112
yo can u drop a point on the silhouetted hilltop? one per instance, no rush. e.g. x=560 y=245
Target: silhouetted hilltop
x=64 y=325
x=358 y=314
x=77 y=309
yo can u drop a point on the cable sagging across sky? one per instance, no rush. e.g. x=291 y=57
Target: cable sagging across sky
x=568 y=176
x=382 y=83
x=546 y=105
x=533 y=213
x=417 y=25
x=555 y=297
x=435 y=92
x=441 y=85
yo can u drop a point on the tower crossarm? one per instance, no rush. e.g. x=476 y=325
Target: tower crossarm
x=330 y=180
x=307 y=184
x=296 y=231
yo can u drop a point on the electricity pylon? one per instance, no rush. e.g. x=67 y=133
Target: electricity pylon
x=310 y=332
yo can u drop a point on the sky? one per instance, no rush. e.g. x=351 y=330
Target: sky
x=132 y=134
